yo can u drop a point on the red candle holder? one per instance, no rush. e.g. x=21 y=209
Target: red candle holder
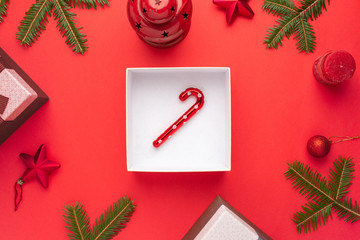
x=160 y=23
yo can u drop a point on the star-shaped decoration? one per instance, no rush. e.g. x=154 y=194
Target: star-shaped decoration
x=241 y=6
x=144 y=10
x=38 y=166
x=185 y=15
x=157 y=2
x=165 y=34
x=138 y=25
x=172 y=9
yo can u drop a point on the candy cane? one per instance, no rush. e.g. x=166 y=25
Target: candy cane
x=185 y=117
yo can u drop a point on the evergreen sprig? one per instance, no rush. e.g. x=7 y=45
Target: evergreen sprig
x=3 y=9
x=34 y=22
x=36 y=17
x=66 y=24
x=293 y=20
x=110 y=223
x=113 y=220
x=77 y=222
x=87 y=3
x=323 y=195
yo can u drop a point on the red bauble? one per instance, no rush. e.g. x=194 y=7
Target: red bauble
x=318 y=146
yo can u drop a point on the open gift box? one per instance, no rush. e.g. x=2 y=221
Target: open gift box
x=152 y=105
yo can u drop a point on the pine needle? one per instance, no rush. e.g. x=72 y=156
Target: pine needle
x=312 y=215
x=345 y=208
x=3 y=9
x=87 y=3
x=305 y=36
x=110 y=223
x=293 y=20
x=66 y=24
x=312 y=8
x=341 y=177
x=280 y=7
x=323 y=195
x=34 y=22
x=309 y=182
x=114 y=219
x=77 y=222
x=284 y=27
x=36 y=17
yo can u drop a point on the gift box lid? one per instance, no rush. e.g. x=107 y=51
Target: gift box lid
x=20 y=97
x=221 y=221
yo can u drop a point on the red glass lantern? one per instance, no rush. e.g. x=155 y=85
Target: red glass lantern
x=160 y=23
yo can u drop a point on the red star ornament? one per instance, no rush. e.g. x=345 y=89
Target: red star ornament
x=231 y=6
x=37 y=167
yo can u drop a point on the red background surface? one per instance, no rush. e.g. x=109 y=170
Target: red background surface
x=276 y=106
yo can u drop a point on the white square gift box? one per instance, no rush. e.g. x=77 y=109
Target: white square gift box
x=152 y=105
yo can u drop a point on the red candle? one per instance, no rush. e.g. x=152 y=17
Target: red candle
x=334 y=67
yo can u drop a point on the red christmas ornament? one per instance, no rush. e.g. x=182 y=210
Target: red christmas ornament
x=185 y=117
x=37 y=167
x=232 y=6
x=319 y=146
x=160 y=23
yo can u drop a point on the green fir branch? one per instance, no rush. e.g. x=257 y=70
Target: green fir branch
x=66 y=24
x=110 y=223
x=114 y=219
x=323 y=195
x=341 y=177
x=280 y=7
x=36 y=18
x=3 y=9
x=310 y=183
x=312 y=215
x=283 y=27
x=34 y=22
x=305 y=36
x=312 y=8
x=77 y=222
x=345 y=208
x=293 y=20
x=87 y=3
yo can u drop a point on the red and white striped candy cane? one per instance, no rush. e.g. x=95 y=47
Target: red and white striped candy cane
x=185 y=117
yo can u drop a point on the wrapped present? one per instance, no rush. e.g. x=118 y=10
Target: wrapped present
x=221 y=221
x=20 y=97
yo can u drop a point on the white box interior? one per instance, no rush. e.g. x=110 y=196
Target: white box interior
x=152 y=105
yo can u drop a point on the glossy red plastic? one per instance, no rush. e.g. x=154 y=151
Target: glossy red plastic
x=185 y=117
x=160 y=23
